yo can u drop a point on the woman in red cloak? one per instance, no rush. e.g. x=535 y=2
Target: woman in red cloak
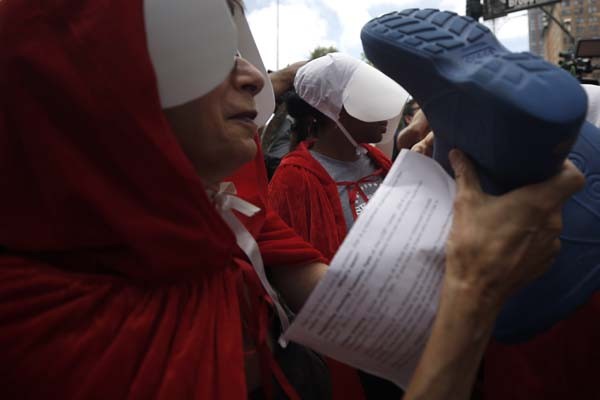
x=125 y=271
x=333 y=171
x=119 y=278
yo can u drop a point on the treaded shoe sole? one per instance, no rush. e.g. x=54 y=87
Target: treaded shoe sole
x=516 y=115
x=575 y=274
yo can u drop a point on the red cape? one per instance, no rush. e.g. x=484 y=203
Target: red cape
x=562 y=363
x=117 y=277
x=306 y=197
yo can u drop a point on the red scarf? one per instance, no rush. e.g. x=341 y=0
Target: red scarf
x=118 y=278
x=354 y=189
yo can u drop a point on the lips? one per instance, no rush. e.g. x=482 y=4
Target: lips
x=245 y=118
x=245 y=115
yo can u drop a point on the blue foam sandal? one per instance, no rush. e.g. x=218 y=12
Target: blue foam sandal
x=575 y=274
x=517 y=117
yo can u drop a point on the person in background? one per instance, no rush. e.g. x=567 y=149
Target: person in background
x=333 y=170
x=413 y=127
x=276 y=139
x=328 y=179
x=276 y=135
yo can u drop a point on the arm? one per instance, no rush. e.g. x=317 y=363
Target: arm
x=295 y=283
x=496 y=245
x=459 y=337
x=283 y=79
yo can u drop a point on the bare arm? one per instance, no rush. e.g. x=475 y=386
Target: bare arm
x=283 y=79
x=496 y=245
x=460 y=334
x=297 y=282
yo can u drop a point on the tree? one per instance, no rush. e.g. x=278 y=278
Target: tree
x=365 y=59
x=321 y=51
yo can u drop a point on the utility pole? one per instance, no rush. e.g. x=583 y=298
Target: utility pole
x=277 y=35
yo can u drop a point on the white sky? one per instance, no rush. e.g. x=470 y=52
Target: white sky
x=306 y=24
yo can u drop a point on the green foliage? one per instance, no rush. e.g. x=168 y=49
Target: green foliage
x=321 y=51
x=364 y=58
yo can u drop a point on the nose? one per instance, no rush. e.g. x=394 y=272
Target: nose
x=247 y=77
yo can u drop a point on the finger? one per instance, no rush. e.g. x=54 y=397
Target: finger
x=425 y=145
x=420 y=119
x=428 y=143
x=568 y=181
x=407 y=138
x=417 y=148
x=553 y=192
x=464 y=172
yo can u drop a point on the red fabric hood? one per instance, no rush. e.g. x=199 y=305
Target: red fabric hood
x=89 y=162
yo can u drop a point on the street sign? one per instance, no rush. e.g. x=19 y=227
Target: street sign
x=518 y=5
x=500 y=8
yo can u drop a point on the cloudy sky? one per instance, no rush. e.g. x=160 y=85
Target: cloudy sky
x=306 y=24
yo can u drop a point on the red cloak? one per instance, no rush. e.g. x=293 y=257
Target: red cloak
x=117 y=276
x=562 y=363
x=306 y=197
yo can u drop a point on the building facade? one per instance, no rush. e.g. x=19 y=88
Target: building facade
x=580 y=17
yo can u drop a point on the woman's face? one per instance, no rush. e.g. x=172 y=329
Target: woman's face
x=363 y=132
x=216 y=131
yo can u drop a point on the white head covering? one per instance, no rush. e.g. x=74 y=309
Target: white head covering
x=192 y=45
x=337 y=80
x=593 y=113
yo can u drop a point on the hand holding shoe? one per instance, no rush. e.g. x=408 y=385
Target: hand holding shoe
x=498 y=244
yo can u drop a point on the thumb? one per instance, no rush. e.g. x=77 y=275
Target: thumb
x=555 y=191
x=464 y=172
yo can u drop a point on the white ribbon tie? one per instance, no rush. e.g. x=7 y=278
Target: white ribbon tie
x=226 y=201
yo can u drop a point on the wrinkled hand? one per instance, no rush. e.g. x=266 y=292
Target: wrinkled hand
x=414 y=132
x=498 y=244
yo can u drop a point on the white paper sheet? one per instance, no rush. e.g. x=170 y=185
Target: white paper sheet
x=375 y=305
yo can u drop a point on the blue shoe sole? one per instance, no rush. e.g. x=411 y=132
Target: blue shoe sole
x=517 y=117
x=575 y=274
x=478 y=96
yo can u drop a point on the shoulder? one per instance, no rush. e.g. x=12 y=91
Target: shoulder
x=301 y=162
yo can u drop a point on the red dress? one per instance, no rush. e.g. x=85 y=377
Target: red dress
x=306 y=197
x=118 y=279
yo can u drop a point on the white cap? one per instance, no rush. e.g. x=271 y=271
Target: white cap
x=337 y=80
x=192 y=45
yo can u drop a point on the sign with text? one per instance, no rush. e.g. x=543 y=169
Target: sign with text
x=499 y=8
